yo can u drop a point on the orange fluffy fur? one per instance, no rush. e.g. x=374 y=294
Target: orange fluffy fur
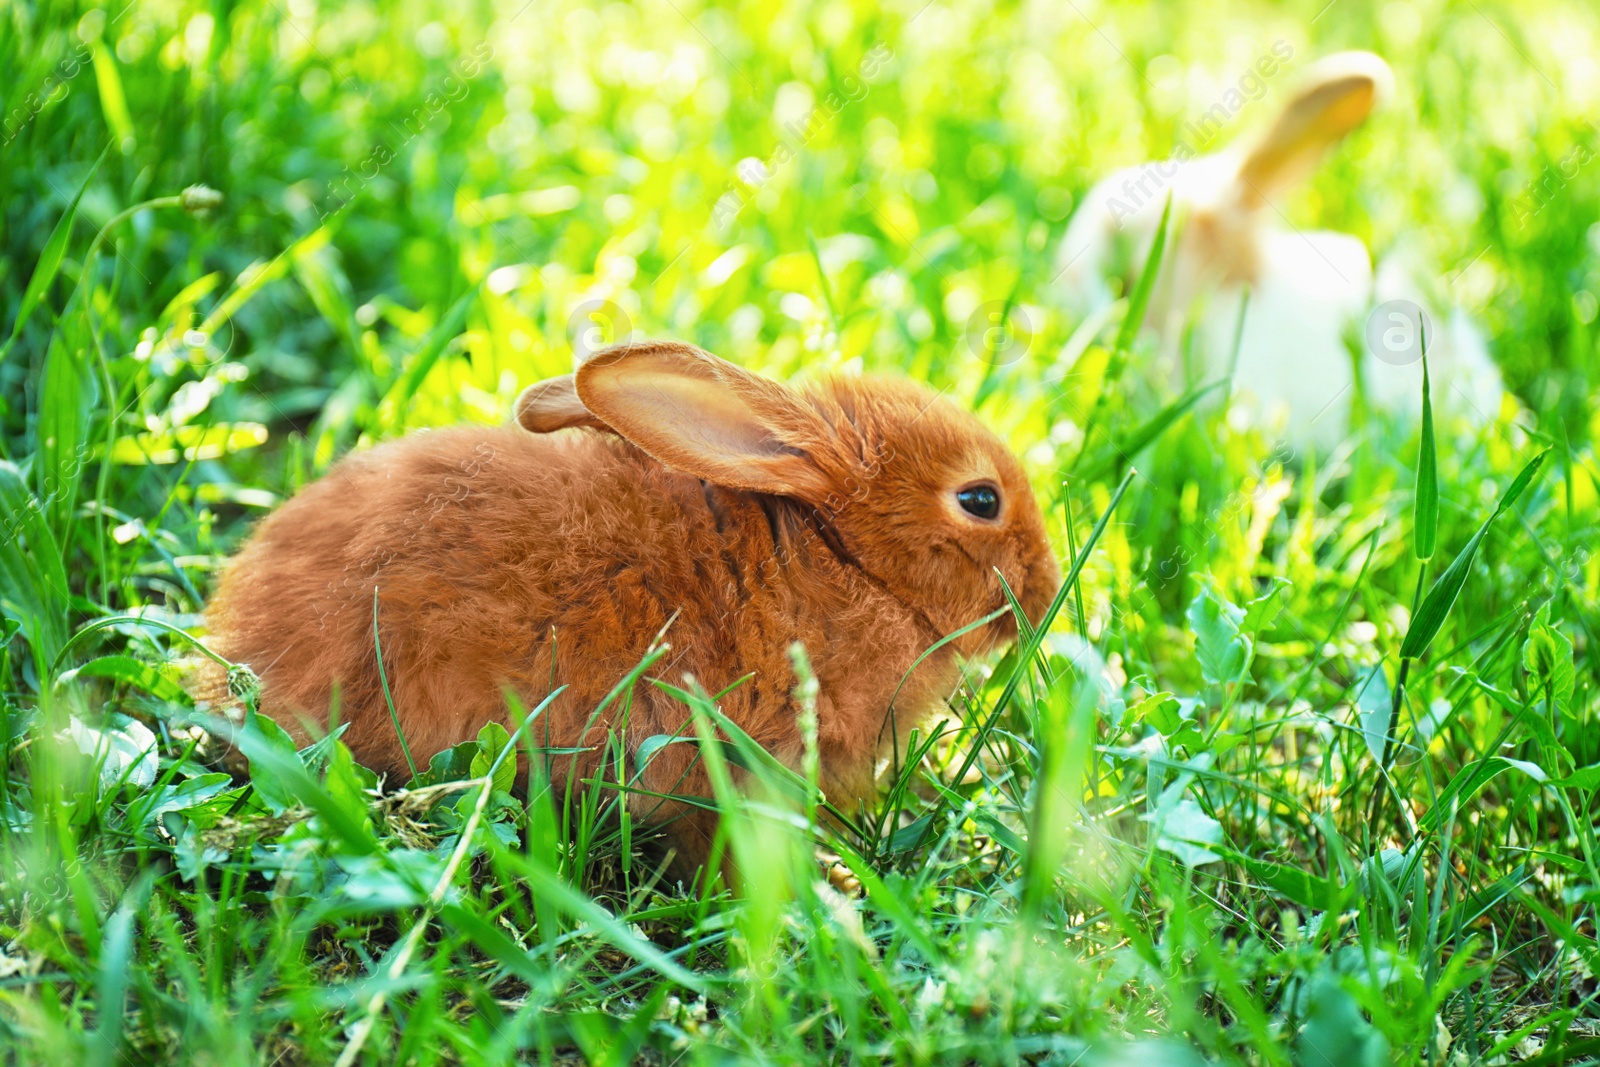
x=497 y=550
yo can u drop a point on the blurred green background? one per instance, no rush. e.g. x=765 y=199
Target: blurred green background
x=385 y=159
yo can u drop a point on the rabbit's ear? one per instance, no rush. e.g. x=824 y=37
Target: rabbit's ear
x=704 y=416
x=1336 y=95
x=553 y=404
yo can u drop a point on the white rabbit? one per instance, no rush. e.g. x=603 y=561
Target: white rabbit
x=1311 y=295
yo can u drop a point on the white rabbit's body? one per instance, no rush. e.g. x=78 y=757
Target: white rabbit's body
x=1294 y=367
x=1310 y=293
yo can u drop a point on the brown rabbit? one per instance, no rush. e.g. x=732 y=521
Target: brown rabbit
x=865 y=519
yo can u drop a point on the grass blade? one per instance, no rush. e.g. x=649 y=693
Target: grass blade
x=1427 y=491
x=115 y=964
x=1139 y=302
x=1117 y=361
x=113 y=101
x=1128 y=449
x=433 y=346
x=67 y=401
x=1442 y=597
x=580 y=907
x=49 y=260
x=383 y=680
x=33 y=580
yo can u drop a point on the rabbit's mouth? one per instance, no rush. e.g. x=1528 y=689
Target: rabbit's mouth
x=1033 y=598
x=1001 y=631
x=1005 y=627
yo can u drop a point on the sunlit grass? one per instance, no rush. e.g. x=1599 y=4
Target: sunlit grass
x=1203 y=824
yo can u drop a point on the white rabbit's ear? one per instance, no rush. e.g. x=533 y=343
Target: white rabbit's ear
x=1335 y=96
x=704 y=416
x=553 y=404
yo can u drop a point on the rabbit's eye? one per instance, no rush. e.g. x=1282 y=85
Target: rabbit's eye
x=980 y=500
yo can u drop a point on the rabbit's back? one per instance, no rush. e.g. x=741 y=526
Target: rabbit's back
x=506 y=560
x=477 y=544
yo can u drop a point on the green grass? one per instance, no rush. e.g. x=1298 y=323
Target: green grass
x=1257 y=797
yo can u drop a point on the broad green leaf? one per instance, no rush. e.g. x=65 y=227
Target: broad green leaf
x=132 y=672
x=911 y=835
x=1375 y=704
x=399 y=879
x=1386 y=868
x=315 y=755
x=187 y=794
x=277 y=767
x=492 y=740
x=1442 y=597
x=1186 y=831
x=1260 y=612
x=1537 y=725
x=1578 y=737
x=1584 y=778
x=1221 y=645
x=347 y=783
x=454 y=764
x=1003 y=835
x=1427 y=490
x=1532 y=770
x=1336 y=1032
x=653 y=744
x=1547 y=656
x=1160 y=710
x=267 y=774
